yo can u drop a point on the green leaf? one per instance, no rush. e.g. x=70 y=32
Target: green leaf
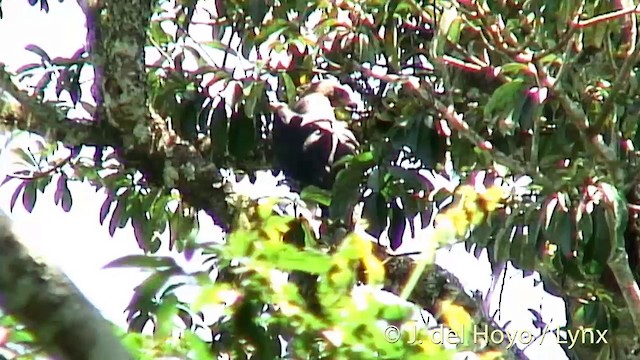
x=248 y=43
x=157 y=34
x=118 y=215
x=585 y=228
x=315 y=194
x=411 y=178
x=375 y=181
x=256 y=93
x=482 y=234
x=601 y=248
x=242 y=135
x=514 y=69
x=445 y=21
x=559 y=231
x=151 y=286
x=287 y=258
x=430 y=147
x=375 y=211
x=289 y=86
x=167 y=311
x=391 y=44
x=257 y=10
x=149 y=198
x=277 y=27
x=106 y=206
x=518 y=243
x=181 y=229
x=397 y=225
x=503 y=239
x=395 y=312
x=142 y=229
x=200 y=348
x=239 y=244
x=219 y=128
x=30 y=195
x=188 y=241
x=42 y=182
x=504 y=97
x=453 y=34
x=346 y=190
x=16 y=193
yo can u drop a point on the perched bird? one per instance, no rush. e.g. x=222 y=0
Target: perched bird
x=308 y=139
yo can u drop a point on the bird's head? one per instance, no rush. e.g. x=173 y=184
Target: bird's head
x=339 y=95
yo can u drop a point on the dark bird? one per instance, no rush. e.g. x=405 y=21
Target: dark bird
x=308 y=139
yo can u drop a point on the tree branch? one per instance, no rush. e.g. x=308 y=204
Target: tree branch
x=628 y=286
x=435 y=284
x=33 y=115
x=44 y=299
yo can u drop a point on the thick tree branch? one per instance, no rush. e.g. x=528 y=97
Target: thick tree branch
x=45 y=300
x=433 y=286
x=45 y=119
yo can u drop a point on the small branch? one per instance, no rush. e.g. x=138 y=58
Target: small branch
x=40 y=174
x=581 y=24
x=449 y=60
x=628 y=286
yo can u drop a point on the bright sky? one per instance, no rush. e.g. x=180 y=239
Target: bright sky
x=81 y=247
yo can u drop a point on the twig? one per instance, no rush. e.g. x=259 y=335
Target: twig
x=40 y=174
x=605 y=17
x=628 y=286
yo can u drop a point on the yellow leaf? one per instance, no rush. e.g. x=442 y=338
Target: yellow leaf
x=491 y=198
x=374 y=270
x=454 y=316
x=458 y=217
x=304 y=78
x=266 y=208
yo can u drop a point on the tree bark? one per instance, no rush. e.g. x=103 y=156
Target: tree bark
x=44 y=299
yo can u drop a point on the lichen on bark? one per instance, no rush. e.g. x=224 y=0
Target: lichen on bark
x=121 y=52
